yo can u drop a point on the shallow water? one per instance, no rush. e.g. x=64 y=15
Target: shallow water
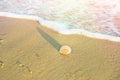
x=89 y=15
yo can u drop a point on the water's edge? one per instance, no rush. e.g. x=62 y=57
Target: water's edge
x=59 y=27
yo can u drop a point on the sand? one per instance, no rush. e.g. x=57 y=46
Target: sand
x=29 y=51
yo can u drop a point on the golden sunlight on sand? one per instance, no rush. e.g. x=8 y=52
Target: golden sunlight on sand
x=29 y=51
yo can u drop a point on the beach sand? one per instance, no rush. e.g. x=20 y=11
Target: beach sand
x=29 y=51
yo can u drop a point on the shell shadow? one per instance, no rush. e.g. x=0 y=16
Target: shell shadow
x=50 y=39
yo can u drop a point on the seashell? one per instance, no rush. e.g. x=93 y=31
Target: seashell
x=65 y=50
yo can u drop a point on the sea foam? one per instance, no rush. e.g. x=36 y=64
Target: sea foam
x=62 y=28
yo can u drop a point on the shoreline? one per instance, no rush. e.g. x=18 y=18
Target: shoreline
x=30 y=51
x=52 y=25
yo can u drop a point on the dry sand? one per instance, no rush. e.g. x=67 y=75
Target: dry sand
x=29 y=51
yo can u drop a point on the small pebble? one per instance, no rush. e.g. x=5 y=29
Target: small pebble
x=2 y=65
x=30 y=72
x=20 y=65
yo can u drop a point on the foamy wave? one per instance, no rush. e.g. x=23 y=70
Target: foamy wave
x=95 y=15
x=61 y=28
x=14 y=15
x=92 y=35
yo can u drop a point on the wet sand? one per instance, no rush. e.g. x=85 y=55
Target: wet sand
x=29 y=51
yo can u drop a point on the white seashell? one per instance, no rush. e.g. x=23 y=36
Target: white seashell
x=65 y=50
